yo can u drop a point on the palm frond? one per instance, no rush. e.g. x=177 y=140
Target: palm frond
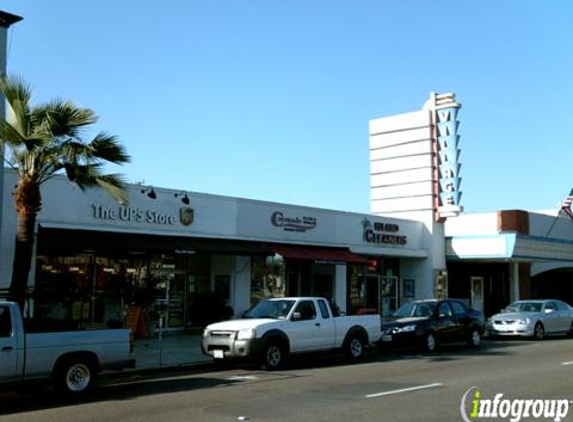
x=84 y=175
x=115 y=185
x=63 y=118
x=89 y=176
x=46 y=139
x=18 y=95
x=105 y=147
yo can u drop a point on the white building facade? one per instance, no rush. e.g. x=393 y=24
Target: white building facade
x=177 y=251
x=194 y=258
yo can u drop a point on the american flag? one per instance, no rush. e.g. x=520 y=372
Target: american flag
x=566 y=204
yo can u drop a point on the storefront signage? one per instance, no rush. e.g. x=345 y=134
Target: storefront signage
x=186 y=215
x=137 y=215
x=447 y=140
x=382 y=233
x=293 y=224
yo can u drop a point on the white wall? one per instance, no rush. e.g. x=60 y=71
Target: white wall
x=340 y=286
x=242 y=292
x=482 y=224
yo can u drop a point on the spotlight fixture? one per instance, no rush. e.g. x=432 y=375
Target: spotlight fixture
x=150 y=192
x=185 y=198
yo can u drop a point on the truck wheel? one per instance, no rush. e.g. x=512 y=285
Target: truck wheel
x=354 y=347
x=75 y=377
x=273 y=356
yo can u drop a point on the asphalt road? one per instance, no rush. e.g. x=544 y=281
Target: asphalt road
x=397 y=386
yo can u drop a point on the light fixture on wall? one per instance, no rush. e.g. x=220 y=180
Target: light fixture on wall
x=185 y=198
x=150 y=192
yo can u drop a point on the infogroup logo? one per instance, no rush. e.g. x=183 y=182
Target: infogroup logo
x=474 y=406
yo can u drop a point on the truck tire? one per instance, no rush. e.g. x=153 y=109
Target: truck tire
x=273 y=355
x=354 y=347
x=75 y=376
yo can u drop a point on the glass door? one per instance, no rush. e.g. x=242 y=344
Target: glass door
x=372 y=296
x=388 y=295
x=477 y=293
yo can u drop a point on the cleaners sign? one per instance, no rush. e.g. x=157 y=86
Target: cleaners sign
x=382 y=233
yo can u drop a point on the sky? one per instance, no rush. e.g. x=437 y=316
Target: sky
x=271 y=99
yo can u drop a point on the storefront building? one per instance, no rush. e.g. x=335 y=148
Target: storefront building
x=194 y=257
x=499 y=257
x=487 y=259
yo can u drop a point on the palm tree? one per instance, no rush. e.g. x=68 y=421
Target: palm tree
x=43 y=141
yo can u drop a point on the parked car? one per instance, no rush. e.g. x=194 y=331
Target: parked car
x=427 y=323
x=71 y=360
x=532 y=318
x=275 y=328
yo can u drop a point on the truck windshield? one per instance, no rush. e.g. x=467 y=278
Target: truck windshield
x=277 y=309
x=416 y=309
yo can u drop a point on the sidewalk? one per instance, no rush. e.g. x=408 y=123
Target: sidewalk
x=172 y=350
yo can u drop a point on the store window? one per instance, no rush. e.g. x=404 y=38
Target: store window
x=90 y=291
x=267 y=278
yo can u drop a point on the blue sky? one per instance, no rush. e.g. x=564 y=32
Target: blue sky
x=271 y=99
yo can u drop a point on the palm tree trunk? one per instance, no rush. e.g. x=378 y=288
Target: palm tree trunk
x=22 y=258
x=28 y=203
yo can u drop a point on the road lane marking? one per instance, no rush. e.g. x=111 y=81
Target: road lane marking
x=567 y=363
x=404 y=390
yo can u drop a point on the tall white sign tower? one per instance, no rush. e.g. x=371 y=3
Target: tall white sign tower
x=415 y=174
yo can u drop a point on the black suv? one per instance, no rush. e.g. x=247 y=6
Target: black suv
x=426 y=323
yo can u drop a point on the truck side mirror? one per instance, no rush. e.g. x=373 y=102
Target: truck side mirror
x=296 y=316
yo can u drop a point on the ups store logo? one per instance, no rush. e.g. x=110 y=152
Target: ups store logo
x=187 y=215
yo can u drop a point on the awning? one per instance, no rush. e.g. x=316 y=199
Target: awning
x=55 y=240
x=319 y=255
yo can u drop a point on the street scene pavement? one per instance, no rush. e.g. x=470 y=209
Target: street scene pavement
x=386 y=386
x=169 y=350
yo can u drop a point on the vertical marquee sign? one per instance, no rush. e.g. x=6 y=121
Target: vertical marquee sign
x=448 y=193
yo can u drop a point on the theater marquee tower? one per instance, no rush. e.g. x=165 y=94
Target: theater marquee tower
x=415 y=174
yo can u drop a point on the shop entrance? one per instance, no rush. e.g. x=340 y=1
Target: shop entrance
x=381 y=295
x=477 y=293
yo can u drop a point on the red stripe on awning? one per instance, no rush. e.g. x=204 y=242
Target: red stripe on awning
x=317 y=254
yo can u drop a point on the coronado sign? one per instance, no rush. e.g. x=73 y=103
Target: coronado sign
x=293 y=224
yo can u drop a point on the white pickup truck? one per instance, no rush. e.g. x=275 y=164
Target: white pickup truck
x=275 y=328
x=71 y=359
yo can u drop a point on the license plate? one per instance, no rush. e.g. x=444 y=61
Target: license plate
x=386 y=337
x=218 y=354
x=502 y=328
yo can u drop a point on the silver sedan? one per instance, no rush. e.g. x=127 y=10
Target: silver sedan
x=532 y=318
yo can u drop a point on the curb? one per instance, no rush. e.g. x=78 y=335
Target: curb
x=202 y=366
